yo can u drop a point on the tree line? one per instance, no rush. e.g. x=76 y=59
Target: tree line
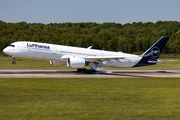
x=130 y=38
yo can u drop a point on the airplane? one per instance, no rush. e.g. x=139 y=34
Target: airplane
x=77 y=57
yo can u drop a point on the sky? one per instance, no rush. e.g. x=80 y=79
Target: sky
x=99 y=11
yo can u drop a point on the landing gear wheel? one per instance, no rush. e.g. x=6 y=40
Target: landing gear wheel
x=83 y=70
x=89 y=71
x=79 y=70
x=14 y=62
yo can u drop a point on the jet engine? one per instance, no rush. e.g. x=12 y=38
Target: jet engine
x=76 y=62
x=57 y=62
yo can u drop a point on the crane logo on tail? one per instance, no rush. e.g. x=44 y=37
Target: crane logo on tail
x=156 y=51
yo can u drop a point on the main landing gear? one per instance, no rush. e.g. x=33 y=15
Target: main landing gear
x=93 y=70
x=84 y=70
x=13 y=62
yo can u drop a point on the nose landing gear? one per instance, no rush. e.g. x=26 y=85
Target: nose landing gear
x=13 y=62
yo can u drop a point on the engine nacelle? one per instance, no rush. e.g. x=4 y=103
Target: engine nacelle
x=57 y=62
x=76 y=62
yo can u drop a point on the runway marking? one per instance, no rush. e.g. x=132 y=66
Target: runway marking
x=72 y=73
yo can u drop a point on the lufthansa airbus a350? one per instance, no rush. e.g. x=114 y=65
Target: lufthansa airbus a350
x=77 y=57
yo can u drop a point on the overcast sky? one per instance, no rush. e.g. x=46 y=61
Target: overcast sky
x=99 y=11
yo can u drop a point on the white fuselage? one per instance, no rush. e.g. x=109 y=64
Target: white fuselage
x=57 y=52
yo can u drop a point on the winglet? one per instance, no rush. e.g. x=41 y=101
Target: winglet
x=89 y=47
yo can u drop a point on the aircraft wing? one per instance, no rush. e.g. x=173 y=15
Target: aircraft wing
x=101 y=59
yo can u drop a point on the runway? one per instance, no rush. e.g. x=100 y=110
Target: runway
x=72 y=73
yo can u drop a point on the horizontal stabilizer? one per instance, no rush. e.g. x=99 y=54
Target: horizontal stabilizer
x=161 y=62
x=157 y=62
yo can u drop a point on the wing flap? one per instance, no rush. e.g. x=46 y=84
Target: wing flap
x=102 y=59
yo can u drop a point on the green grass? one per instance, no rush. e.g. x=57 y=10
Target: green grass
x=58 y=99
x=27 y=63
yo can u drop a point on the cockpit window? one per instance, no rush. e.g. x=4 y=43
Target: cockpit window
x=12 y=45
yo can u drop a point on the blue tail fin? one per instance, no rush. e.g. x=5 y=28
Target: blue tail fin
x=150 y=57
x=155 y=50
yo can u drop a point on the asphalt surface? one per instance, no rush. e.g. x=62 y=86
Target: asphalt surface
x=72 y=73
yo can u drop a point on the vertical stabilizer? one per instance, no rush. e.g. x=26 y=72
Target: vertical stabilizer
x=150 y=57
x=155 y=50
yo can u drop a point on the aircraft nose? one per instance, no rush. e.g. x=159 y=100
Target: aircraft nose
x=5 y=50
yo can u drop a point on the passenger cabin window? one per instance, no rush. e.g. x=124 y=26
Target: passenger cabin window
x=12 y=45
